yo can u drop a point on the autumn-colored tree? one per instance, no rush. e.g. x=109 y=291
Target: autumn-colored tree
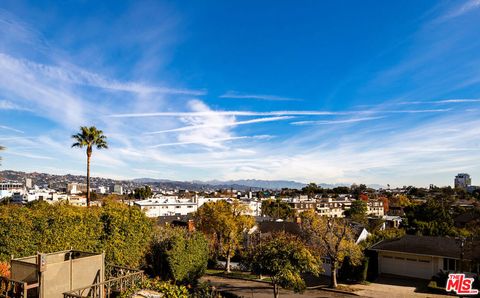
x=284 y=259
x=400 y=200
x=331 y=238
x=4 y=269
x=224 y=224
x=385 y=202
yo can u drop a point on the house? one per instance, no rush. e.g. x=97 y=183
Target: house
x=167 y=206
x=424 y=256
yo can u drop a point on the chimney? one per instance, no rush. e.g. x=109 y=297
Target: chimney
x=298 y=220
x=190 y=225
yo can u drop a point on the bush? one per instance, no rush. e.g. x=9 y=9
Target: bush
x=121 y=231
x=178 y=254
x=166 y=288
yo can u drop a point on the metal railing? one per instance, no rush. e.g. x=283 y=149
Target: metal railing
x=119 y=280
x=10 y=288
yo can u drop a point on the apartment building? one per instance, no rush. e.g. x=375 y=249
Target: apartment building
x=167 y=206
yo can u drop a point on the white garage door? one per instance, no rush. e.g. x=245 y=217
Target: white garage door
x=406 y=266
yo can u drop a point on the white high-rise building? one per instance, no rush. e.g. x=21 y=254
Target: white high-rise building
x=462 y=180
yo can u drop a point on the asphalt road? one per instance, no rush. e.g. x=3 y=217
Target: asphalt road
x=252 y=289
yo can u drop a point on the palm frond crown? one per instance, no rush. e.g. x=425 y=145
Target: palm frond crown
x=90 y=137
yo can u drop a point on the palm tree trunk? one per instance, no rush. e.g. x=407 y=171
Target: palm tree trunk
x=88 y=178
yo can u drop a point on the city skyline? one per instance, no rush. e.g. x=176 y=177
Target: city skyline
x=310 y=93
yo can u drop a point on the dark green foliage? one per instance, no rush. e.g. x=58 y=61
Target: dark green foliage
x=122 y=232
x=432 y=218
x=358 y=211
x=277 y=209
x=142 y=193
x=178 y=254
x=349 y=272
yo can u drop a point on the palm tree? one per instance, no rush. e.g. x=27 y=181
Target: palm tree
x=89 y=137
x=1 y=148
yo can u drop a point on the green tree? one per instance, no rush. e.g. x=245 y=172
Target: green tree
x=89 y=137
x=142 y=193
x=284 y=259
x=312 y=189
x=224 y=224
x=178 y=254
x=277 y=209
x=123 y=233
x=331 y=238
x=358 y=211
x=432 y=218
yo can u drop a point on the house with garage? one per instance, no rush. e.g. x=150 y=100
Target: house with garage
x=425 y=256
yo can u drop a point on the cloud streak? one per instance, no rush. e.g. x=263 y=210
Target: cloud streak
x=341 y=121
x=226 y=124
x=237 y=95
x=271 y=113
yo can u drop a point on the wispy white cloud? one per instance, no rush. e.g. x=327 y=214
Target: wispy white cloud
x=463 y=9
x=237 y=95
x=340 y=121
x=442 y=101
x=11 y=129
x=272 y=113
x=259 y=137
x=8 y=105
x=226 y=124
x=28 y=155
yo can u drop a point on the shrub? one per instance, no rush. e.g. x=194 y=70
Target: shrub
x=122 y=232
x=178 y=254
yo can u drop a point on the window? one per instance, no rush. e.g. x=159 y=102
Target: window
x=388 y=257
x=424 y=261
x=450 y=264
x=413 y=260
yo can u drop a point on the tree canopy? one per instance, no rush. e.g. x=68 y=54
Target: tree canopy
x=224 y=224
x=284 y=259
x=331 y=238
x=277 y=209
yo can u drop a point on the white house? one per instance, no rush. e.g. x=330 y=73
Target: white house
x=167 y=206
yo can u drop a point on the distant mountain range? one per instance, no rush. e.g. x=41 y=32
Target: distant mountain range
x=245 y=184
x=237 y=184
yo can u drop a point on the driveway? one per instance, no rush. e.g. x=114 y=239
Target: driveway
x=394 y=287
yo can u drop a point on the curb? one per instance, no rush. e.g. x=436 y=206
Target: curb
x=322 y=288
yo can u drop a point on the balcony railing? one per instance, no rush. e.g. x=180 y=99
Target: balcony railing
x=10 y=288
x=119 y=279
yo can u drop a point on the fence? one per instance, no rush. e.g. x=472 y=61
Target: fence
x=12 y=289
x=118 y=280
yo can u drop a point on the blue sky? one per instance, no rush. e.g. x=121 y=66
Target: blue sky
x=327 y=91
